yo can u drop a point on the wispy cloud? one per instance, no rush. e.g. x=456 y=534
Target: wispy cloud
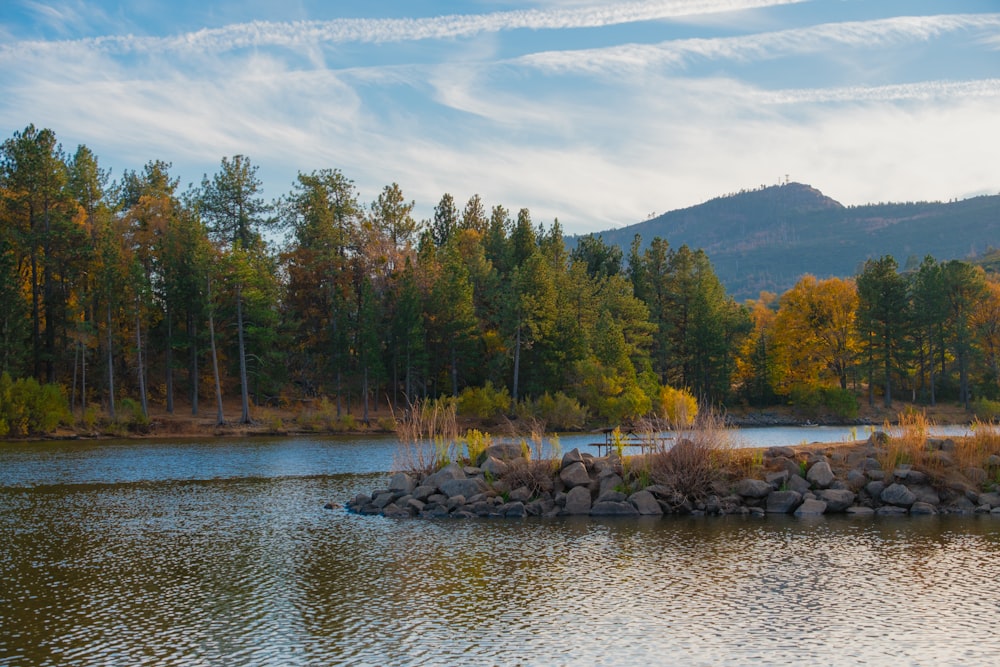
x=813 y=39
x=303 y=33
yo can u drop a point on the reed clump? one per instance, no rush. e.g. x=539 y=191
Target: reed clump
x=428 y=436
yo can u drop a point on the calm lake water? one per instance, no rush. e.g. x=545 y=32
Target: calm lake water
x=220 y=553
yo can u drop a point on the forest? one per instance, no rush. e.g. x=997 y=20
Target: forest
x=115 y=294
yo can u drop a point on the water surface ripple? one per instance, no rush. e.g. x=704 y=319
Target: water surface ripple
x=214 y=569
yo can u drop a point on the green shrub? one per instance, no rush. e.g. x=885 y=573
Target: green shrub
x=27 y=407
x=986 y=409
x=131 y=417
x=812 y=401
x=559 y=412
x=486 y=402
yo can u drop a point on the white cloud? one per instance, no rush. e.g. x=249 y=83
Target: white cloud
x=797 y=41
x=301 y=34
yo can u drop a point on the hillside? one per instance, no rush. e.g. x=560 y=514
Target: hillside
x=766 y=239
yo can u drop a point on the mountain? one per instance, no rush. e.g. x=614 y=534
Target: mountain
x=767 y=239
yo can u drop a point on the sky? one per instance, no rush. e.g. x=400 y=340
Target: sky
x=598 y=114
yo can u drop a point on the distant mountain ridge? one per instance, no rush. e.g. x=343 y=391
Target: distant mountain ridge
x=766 y=239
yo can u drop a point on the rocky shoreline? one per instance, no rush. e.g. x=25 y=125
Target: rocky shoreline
x=802 y=481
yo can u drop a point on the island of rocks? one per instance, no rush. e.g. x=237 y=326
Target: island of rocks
x=804 y=481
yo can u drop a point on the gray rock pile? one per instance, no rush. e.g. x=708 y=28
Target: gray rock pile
x=503 y=483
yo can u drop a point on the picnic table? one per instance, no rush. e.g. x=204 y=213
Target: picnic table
x=645 y=442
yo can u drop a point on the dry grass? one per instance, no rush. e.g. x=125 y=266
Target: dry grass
x=975 y=450
x=907 y=442
x=428 y=436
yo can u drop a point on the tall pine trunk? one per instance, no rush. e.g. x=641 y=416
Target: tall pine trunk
x=244 y=388
x=111 y=369
x=142 y=368
x=219 y=419
x=193 y=363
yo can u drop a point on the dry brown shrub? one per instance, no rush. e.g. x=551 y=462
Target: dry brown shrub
x=537 y=475
x=695 y=461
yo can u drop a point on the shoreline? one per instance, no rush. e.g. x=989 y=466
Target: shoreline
x=880 y=476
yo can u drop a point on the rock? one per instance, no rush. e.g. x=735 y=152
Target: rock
x=993 y=461
x=856 y=479
x=926 y=494
x=775 y=452
x=783 y=502
x=922 y=508
x=837 y=500
x=609 y=482
x=810 y=508
x=645 y=503
x=504 y=451
x=820 y=475
x=991 y=499
x=393 y=511
x=575 y=474
x=876 y=475
x=961 y=505
x=514 y=510
x=612 y=496
x=383 y=499
x=449 y=472
x=871 y=464
x=890 y=510
x=463 y=487
x=776 y=479
x=578 y=500
x=572 y=456
x=455 y=502
x=402 y=482
x=415 y=505
x=752 y=488
x=898 y=495
x=875 y=488
x=423 y=492
x=914 y=477
x=797 y=483
x=611 y=508
x=494 y=467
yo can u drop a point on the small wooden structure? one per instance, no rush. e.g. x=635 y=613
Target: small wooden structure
x=628 y=438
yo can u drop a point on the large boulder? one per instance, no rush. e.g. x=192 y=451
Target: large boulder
x=575 y=474
x=820 y=475
x=645 y=503
x=450 y=471
x=810 y=507
x=898 y=495
x=572 y=456
x=783 y=502
x=463 y=487
x=612 y=508
x=752 y=488
x=402 y=482
x=991 y=499
x=577 y=500
x=504 y=451
x=837 y=500
x=494 y=467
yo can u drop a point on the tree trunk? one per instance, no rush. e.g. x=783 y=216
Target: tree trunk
x=111 y=369
x=169 y=362
x=141 y=369
x=244 y=388
x=219 y=419
x=517 y=365
x=193 y=363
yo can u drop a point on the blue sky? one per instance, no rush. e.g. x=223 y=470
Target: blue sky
x=595 y=113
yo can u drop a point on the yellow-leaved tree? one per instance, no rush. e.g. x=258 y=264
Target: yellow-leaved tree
x=813 y=334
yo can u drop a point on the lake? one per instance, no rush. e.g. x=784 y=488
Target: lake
x=220 y=553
